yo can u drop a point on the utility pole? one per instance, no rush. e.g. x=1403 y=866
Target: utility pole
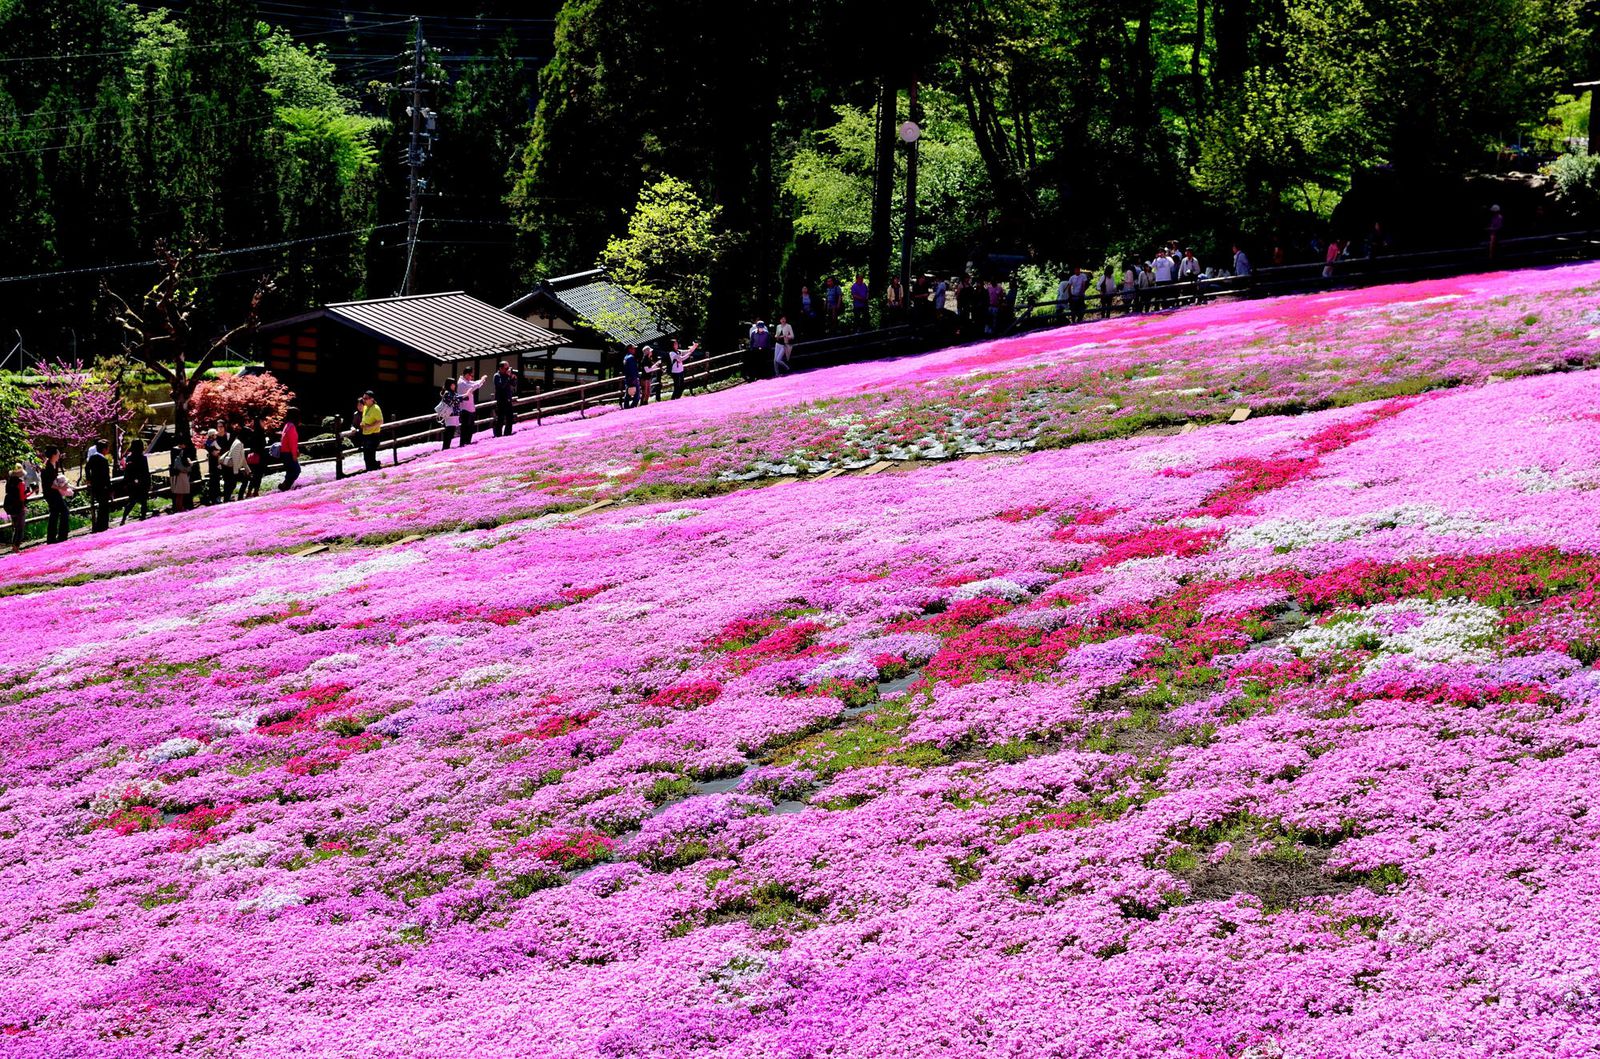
x=414 y=161
x=880 y=250
x=910 y=133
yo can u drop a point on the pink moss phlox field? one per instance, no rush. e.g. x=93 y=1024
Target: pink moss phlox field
x=1043 y=390
x=1269 y=740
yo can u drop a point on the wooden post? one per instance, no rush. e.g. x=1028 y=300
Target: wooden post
x=583 y=401
x=338 y=456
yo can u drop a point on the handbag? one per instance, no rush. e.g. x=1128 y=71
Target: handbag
x=442 y=410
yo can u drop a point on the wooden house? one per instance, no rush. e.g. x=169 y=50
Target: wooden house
x=598 y=319
x=402 y=349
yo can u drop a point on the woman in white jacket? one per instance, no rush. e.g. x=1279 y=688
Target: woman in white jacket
x=467 y=388
x=237 y=460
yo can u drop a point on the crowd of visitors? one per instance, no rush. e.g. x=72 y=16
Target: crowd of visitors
x=642 y=369
x=225 y=464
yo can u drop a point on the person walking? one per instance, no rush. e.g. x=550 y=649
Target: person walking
x=808 y=311
x=781 y=352
x=941 y=291
x=136 y=475
x=1241 y=263
x=97 y=469
x=449 y=410
x=894 y=298
x=1063 y=296
x=180 y=464
x=1165 y=272
x=1106 y=287
x=833 y=297
x=1077 y=294
x=214 y=451
x=760 y=343
x=630 y=379
x=16 y=505
x=505 y=392
x=649 y=376
x=1329 y=258
x=289 y=449
x=57 y=491
x=860 y=296
x=677 y=363
x=1146 y=285
x=255 y=443
x=1497 y=221
x=370 y=423
x=468 y=386
x=235 y=466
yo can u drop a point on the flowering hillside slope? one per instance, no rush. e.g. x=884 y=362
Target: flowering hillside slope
x=1046 y=390
x=1274 y=739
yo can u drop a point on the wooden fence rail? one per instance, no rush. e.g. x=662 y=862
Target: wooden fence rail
x=416 y=430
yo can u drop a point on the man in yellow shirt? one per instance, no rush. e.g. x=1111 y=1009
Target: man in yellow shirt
x=371 y=426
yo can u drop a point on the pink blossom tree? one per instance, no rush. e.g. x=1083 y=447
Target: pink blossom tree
x=70 y=408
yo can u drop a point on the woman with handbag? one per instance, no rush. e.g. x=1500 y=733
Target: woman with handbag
x=449 y=410
x=236 y=466
x=255 y=443
x=136 y=476
x=57 y=491
x=178 y=476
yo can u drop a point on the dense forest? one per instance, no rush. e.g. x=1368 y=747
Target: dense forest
x=719 y=162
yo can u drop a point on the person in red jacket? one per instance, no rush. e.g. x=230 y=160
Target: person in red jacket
x=289 y=449
x=16 y=505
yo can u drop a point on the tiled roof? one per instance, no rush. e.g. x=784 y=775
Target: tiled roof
x=591 y=298
x=445 y=327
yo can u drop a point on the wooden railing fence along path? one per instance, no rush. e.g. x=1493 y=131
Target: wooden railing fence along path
x=342 y=449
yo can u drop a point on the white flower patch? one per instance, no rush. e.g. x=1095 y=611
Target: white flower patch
x=1290 y=534
x=271 y=901
x=1425 y=630
x=619 y=612
x=494 y=673
x=173 y=749
x=997 y=587
x=660 y=518
x=335 y=663
x=233 y=854
x=1159 y=460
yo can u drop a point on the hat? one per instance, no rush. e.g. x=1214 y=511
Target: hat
x=1494 y=209
x=369 y=393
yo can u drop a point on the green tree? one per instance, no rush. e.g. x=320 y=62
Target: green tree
x=667 y=254
x=14 y=447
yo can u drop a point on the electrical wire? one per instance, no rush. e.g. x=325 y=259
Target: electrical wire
x=240 y=43
x=208 y=255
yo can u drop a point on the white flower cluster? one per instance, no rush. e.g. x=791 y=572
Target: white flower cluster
x=271 y=901
x=173 y=749
x=233 y=854
x=1427 y=631
x=1292 y=534
x=996 y=587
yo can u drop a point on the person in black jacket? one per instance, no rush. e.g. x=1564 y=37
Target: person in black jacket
x=16 y=505
x=505 y=391
x=98 y=470
x=136 y=475
x=53 y=481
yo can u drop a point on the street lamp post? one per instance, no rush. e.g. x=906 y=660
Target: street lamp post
x=910 y=133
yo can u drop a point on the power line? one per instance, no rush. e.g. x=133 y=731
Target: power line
x=238 y=43
x=75 y=146
x=280 y=245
